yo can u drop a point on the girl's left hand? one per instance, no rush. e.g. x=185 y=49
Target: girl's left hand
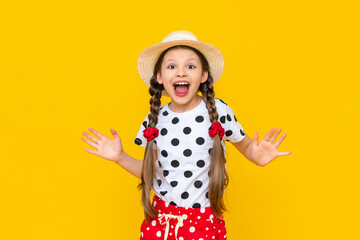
x=266 y=150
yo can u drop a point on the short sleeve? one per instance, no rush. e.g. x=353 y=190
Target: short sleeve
x=140 y=139
x=234 y=132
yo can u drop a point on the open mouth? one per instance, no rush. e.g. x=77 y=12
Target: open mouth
x=181 y=89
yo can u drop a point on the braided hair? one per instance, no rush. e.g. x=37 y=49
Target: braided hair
x=218 y=176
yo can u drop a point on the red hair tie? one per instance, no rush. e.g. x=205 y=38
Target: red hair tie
x=151 y=133
x=216 y=128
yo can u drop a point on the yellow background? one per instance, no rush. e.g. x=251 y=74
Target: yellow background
x=69 y=65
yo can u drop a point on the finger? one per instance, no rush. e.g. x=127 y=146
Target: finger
x=91 y=137
x=284 y=153
x=96 y=133
x=277 y=144
x=94 y=145
x=256 y=139
x=276 y=134
x=268 y=135
x=92 y=151
x=114 y=133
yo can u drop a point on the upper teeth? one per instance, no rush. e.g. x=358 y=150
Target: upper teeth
x=181 y=83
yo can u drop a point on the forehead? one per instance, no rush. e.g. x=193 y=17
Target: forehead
x=181 y=54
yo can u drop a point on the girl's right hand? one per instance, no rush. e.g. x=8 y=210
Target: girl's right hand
x=110 y=149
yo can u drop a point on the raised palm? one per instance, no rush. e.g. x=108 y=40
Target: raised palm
x=266 y=150
x=107 y=148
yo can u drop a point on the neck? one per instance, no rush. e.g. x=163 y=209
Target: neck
x=179 y=108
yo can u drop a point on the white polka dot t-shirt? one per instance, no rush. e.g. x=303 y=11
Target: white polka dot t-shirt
x=183 y=146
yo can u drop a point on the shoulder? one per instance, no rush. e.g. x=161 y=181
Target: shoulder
x=221 y=105
x=224 y=110
x=162 y=110
x=219 y=101
x=164 y=106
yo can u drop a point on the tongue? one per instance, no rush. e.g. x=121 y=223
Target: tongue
x=181 y=88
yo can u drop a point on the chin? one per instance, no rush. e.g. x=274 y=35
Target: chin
x=184 y=100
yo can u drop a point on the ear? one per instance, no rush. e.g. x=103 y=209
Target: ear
x=204 y=76
x=158 y=78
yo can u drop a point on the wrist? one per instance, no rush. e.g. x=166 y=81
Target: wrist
x=249 y=154
x=248 y=151
x=120 y=158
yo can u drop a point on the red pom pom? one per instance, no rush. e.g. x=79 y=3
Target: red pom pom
x=151 y=133
x=216 y=128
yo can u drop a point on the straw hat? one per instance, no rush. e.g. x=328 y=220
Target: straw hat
x=149 y=56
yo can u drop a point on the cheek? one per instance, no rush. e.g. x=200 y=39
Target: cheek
x=166 y=77
x=163 y=77
x=166 y=81
x=201 y=78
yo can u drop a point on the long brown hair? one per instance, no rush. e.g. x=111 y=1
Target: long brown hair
x=218 y=175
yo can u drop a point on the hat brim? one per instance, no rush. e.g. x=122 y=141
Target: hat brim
x=149 y=56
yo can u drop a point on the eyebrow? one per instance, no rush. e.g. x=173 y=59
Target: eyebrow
x=169 y=59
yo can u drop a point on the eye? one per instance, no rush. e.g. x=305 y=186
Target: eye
x=193 y=67
x=170 y=66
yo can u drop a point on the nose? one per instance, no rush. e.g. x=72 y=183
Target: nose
x=181 y=72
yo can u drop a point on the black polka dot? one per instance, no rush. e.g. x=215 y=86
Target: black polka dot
x=174 y=183
x=163 y=132
x=235 y=118
x=184 y=195
x=165 y=173
x=187 y=152
x=228 y=133
x=196 y=205
x=209 y=173
x=161 y=108
x=172 y=203
x=163 y=193
x=175 y=163
x=175 y=142
x=145 y=124
x=223 y=101
x=222 y=119
x=228 y=117
x=175 y=120
x=200 y=163
x=198 y=184
x=165 y=113
x=160 y=165
x=188 y=174
x=159 y=182
x=155 y=141
x=200 y=140
x=242 y=133
x=199 y=119
x=207 y=195
x=164 y=153
x=210 y=151
x=138 y=141
x=187 y=130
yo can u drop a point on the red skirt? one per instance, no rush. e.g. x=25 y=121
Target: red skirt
x=180 y=223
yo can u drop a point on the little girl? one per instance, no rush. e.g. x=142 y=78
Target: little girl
x=185 y=160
